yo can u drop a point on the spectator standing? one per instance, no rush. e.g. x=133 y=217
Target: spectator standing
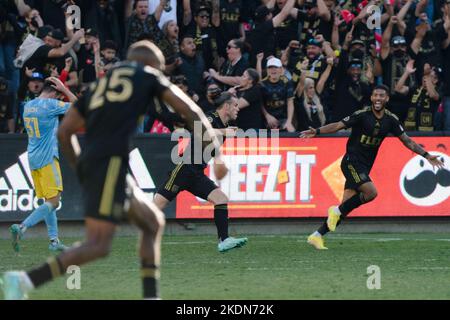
x=278 y=97
x=250 y=101
x=233 y=68
x=170 y=47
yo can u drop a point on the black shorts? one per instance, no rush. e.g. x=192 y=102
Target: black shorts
x=187 y=177
x=355 y=172
x=105 y=192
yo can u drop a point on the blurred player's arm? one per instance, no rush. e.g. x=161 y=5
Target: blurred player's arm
x=329 y=128
x=414 y=147
x=72 y=122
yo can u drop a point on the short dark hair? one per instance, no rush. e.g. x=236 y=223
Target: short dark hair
x=382 y=87
x=109 y=44
x=48 y=87
x=222 y=99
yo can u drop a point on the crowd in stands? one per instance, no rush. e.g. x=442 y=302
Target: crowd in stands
x=292 y=63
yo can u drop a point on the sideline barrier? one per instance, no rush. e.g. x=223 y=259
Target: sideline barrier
x=291 y=178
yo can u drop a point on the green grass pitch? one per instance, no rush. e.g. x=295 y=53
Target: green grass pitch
x=413 y=266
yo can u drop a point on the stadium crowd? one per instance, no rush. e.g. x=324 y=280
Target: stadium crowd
x=292 y=64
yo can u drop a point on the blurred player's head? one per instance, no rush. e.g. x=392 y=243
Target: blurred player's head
x=379 y=97
x=146 y=53
x=227 y=105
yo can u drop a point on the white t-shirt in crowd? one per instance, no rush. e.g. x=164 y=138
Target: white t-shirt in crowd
x=165 y=16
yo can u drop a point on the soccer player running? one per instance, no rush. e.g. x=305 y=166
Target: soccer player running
x=41 y=122
x=110 y=111
x=190 y=176
x=370 y=126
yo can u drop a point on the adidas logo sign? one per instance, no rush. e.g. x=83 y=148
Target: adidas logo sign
x=17 y=188
x=140 y=172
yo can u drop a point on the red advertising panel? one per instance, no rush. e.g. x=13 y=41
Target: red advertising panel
x=292 y=177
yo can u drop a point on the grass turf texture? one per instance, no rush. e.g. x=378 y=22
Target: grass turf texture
x=413 y=266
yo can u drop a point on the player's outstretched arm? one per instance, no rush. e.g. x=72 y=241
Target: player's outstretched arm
x=191 y=113
x=329 y=128
x=411 y=145
x=71 y=123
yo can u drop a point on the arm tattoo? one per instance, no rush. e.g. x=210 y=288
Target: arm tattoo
x=411 y=145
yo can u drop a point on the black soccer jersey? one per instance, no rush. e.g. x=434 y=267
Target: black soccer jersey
x=368 y=132
x=213 y=118
x=113 y=105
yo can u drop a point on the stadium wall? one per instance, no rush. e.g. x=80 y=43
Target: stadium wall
x=269 y=178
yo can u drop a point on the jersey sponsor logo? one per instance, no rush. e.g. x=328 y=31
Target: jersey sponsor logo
x=422 y=185
x=17 y=188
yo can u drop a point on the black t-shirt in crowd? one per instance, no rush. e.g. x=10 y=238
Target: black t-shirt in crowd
x=230 y=20
x=368 y=132
x=306 y=119
x=43 y=64
x=287 y=31
x=86 y=62
x=112 y=111
x=421 y=110
x=275 y=96
x=446 y=56
x=5 y=112
x=235 y=70
x=250 y=117
x=262 y=39
x=206 y=41
x=313 y=26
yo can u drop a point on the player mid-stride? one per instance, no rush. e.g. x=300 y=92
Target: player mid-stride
x=370 y=126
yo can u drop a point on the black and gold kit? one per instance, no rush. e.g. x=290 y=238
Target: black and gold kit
x=112 y=108
x=368 y=132
x=190 y=176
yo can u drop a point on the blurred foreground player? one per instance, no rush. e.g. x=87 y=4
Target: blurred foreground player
x=370 y=126
x=110 y=111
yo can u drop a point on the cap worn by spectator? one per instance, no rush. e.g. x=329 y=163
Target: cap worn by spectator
x=37 y=76
x=91 y=32
x=398 y=40
x=202 y=8
x=314 y=42
x=262 y=12
x=44 y=31
x=355 y=63
x=310 y=4
x=274 y=62
x=357 y=41
x=56 y=34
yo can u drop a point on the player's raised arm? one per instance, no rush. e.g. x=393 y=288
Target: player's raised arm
x=413 y=146
x=329 y=128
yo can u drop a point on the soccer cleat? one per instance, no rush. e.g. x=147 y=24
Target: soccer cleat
x=57 y=246
x=16 y=285
x=317 y=242
x=333 y=219
x=230 y=243
x=16 y=235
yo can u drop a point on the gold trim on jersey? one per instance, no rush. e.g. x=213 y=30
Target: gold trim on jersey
x=173 y=175
x=354 y=173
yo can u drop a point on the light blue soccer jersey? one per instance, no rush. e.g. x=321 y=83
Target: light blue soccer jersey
x=40 y=118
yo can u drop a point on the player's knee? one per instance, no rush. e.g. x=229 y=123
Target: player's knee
x=100 y=249
x=218 y=197
x=370 y=195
